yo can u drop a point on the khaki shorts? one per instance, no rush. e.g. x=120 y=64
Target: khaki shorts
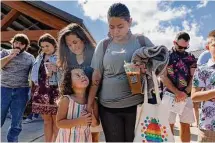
x=206 y=136
x=187 y=115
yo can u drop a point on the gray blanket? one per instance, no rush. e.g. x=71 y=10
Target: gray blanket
x=155 y=59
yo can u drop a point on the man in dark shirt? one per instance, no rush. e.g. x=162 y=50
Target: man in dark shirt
x=178 y=80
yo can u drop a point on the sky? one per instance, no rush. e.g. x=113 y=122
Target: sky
x=158 y=20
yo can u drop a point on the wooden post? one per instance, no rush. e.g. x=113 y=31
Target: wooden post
x=9 y=18
x=33 y=35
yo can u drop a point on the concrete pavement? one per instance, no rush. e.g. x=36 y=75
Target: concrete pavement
x=33 y=132
x=30 y=132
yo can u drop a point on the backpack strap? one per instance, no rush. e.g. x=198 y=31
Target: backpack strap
x=105 y=44
x=141 y=39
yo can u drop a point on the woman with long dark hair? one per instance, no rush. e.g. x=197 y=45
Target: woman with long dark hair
x=76 y=51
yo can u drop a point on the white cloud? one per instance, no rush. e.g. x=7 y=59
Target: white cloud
x=205 y=17
x=148 y=16
x=203 y=3
x=193 y=29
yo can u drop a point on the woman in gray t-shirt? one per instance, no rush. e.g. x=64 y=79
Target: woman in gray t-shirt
x=117 y=106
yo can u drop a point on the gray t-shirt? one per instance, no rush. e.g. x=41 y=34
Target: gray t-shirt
x=15 y=74
x=115 y=90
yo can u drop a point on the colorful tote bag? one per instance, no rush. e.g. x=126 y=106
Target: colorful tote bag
x=152 y=123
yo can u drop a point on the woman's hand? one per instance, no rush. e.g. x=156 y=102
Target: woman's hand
x=52 y=67
x=141 y=66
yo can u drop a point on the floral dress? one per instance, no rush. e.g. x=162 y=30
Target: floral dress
x=44 y=96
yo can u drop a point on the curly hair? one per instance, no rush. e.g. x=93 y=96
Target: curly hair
x=66 y=85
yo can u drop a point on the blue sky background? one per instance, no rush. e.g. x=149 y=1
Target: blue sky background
x=203 y=17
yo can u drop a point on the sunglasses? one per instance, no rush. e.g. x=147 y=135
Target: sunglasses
x=181 y=47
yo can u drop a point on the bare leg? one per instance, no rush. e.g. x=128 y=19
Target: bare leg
x=172 y=128
x=196 y=112
x=185 y=132
x=48 y=131
x=55 y=129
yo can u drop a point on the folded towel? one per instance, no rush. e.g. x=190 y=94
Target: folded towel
x=155 y=59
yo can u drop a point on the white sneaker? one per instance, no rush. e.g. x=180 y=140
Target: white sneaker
x=26 y=121
x=35 y=119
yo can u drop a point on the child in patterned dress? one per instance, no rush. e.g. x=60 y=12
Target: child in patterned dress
x=72 y=118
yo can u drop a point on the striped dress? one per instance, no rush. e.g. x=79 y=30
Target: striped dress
x=78 y=133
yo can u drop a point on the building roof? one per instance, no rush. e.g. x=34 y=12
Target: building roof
x=55 y=11
x=34 y=18
x=59 y=13
x=197 y=53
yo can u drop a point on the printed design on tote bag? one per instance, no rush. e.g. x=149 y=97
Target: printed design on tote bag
x=153 y=131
